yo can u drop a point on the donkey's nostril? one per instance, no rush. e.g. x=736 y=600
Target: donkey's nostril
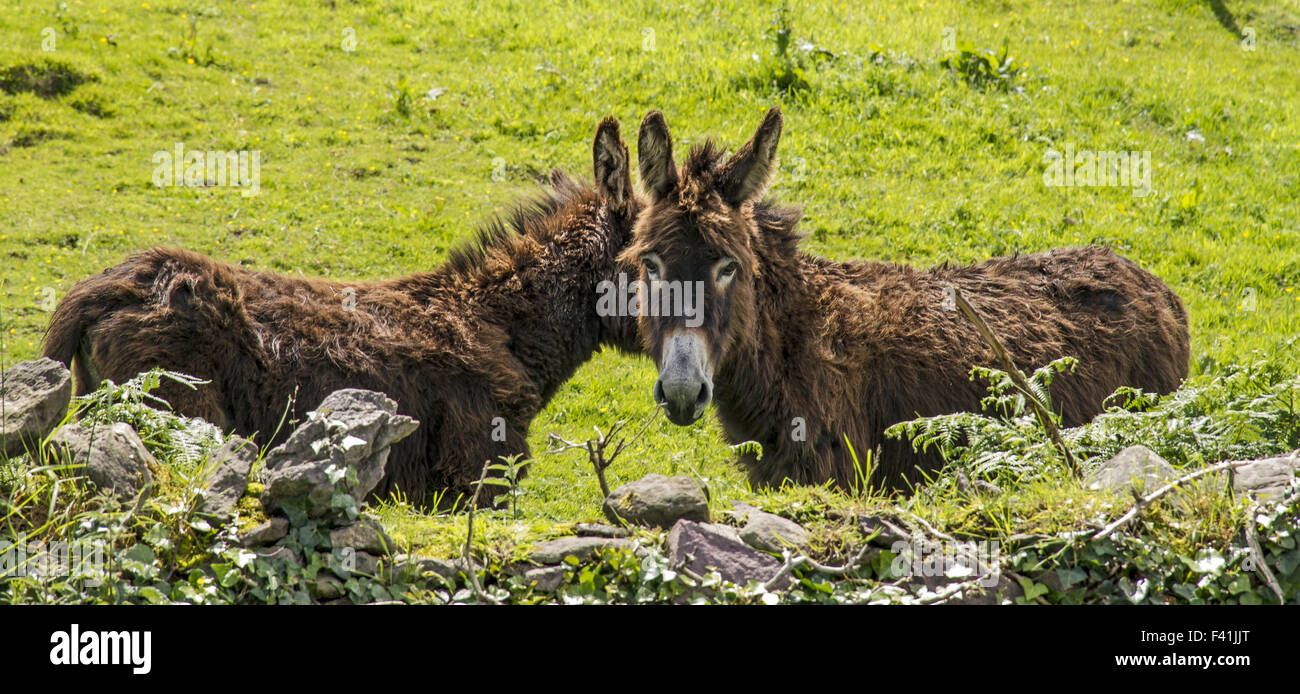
x=660 y=398
x=706 y=394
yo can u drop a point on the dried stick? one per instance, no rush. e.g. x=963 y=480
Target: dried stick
x=1252 y=539
x=1022 y=384
x=595 y=448
x=469 y=540
x=793 y=561
x=1145 y=501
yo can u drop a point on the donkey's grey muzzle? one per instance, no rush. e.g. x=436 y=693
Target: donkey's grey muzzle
x=685 y=384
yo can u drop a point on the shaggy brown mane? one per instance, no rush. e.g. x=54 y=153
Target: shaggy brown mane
x=532 y=217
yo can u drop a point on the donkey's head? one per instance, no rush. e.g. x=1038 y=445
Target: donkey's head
x=696 y=245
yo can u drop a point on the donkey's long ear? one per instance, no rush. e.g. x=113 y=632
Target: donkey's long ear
x=747 y=175
x=654 y=152
x=612 y=165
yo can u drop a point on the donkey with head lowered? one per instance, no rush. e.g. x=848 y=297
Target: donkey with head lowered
x=473 y=350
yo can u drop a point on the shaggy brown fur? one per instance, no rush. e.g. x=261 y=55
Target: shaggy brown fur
x=852 y=348
x=492 y=334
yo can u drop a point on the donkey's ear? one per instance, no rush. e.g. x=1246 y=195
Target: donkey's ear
x=749 y=172
x=613 y=173
x=654 y=152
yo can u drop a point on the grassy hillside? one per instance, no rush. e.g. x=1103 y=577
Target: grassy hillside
x=389 y=130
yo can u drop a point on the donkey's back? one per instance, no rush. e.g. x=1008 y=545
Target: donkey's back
x=915 y=350
x=271 y=346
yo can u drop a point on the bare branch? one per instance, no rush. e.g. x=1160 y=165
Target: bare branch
x=1018 y=378
x=596 y=447
x=469 y=540
x=1252 y=539
x=1145 y=501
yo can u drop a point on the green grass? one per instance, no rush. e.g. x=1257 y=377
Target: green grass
x=891 y=156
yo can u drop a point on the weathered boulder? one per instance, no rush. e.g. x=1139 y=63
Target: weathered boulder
x=227 y=477
x=704 y=547
x=365 y=535
x=546 y=579
x=658 y=501
x=583 y=548
x=772 y=533
x=266 y=533
x=115 y=458
x=34 y=398
x=325 y=587
x=353 y=562
x=1267 y=478
x=1138 y=466
x=341 y=448
x=418 y=567
x=599 y=530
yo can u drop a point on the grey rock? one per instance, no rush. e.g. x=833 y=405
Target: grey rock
x=326 y=587
x=583 y=548
x=281 y=553
x=546 y=579
x=115 y=458
x=34 y=397
x=420 y=567
x=658 y=501
x=351 y=429
x=772 y=533
x=889 y=532
x=365 y=535
x=599 y=530
x=265 y=533
x=227 y=477
x=703 y=547
x=1136 y=466
x=1267 y=478
x=346 y=562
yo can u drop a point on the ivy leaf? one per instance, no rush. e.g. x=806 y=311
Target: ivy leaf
x=1070 y=576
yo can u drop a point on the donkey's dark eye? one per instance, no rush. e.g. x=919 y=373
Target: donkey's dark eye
x=652 y=267
x=724 y=271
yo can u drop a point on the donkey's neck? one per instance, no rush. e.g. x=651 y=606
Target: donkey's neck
x=548 y=305
x=753 y=380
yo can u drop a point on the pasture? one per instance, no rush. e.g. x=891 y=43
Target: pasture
x=390 y=131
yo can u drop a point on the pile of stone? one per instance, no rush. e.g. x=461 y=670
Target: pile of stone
x=678 y=505
x=339 y=452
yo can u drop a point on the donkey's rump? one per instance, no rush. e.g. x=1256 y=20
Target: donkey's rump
x=1123 y=325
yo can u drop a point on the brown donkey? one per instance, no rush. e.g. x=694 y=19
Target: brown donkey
x=800 y=352
x=473 y=350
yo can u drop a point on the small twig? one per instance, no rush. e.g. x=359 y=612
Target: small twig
x=469 y=540
x=794 y=561
x=595 y=448
x=1022 y=384
x=929 y=528
x=1145 y=501
x=1252 y=539
x=949 y=591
